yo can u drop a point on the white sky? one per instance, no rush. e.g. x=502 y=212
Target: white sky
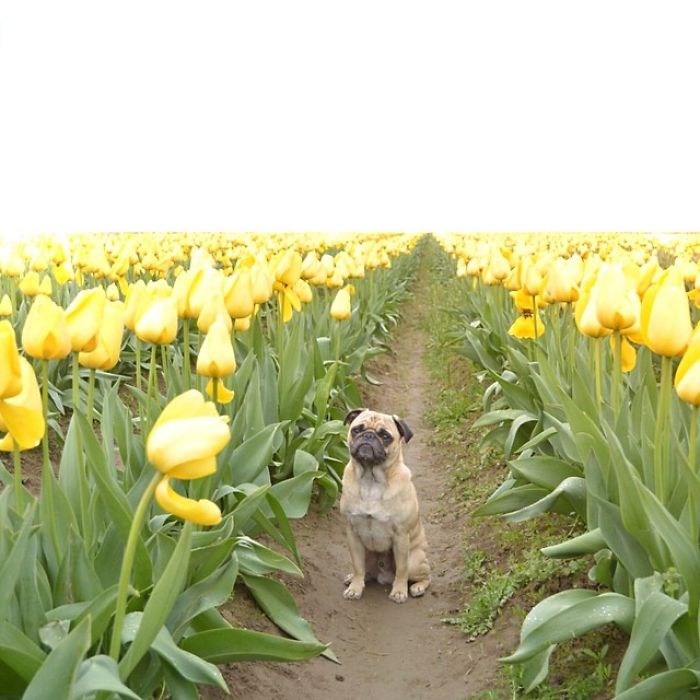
x=360 y=115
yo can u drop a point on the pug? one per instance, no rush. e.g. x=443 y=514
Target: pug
x=384 y=531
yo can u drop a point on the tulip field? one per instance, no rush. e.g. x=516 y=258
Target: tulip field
x=182 y=397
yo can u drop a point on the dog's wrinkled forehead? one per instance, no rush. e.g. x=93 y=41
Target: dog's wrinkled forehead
x=371 y=420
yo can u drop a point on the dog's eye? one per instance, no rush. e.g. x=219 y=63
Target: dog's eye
x=357 y=429
x=384 y=435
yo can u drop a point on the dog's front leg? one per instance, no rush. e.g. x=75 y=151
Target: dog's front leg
x=357 y=556
x=399 y=591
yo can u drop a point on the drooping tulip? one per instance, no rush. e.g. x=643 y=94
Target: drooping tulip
x=187 y=436
x=45 y=332
x=201 y=511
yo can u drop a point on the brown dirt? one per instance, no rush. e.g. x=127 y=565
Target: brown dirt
x=387 y=651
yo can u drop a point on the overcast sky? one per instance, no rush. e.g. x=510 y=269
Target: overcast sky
x=362 y=115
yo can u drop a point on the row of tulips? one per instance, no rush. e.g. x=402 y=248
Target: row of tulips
x=581 y=341
x=177 y=381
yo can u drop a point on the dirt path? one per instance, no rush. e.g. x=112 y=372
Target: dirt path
x=387 y=651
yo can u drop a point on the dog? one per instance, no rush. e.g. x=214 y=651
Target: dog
x=384 y=531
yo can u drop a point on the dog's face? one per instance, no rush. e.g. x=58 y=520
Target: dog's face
x=375 y=438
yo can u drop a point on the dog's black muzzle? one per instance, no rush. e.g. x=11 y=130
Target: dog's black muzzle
x=368 y=449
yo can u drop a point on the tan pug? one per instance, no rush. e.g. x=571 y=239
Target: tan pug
x=384 y=530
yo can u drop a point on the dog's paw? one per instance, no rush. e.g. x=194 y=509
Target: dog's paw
x=399 y=595
x=347 y=579
x=354 y=591
x=419 y=588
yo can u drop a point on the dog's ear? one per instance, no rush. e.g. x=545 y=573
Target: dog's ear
x=352 y=415
x=404 y=431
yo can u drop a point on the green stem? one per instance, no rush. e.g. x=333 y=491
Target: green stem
x=164 y=364
x=616 y=382
x=534 y=315
x=151 y=381
x=597 y=371
x=139 y=381
x=661 y=461
x=187 y=370
x=76 y=383
x=91 y=397
x=127 y=564
x=45 y=408
x=572 y=330
x=692 y=447
x=215 y=390
x=17 y=466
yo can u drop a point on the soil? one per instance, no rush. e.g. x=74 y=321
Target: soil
x=386 y=650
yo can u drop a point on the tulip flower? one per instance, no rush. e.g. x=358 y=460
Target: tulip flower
x=665 y=315
x=617 y=305
x=182 y=444
x=21 y=415
x=586 y=314
x=687 y=380
x=29 y=286
x=238 y=294
x=10 y=375
x=561 y=286
x=5 y=306
x=524 y=327
x=186 y=438
x=216 y=359
x=341 y=306
x=158 y=322
x=45 y=332
x=213 y=309
x=108 y=343
x=83 y=318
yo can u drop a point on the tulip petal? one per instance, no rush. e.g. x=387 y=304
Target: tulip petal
x=202 y=512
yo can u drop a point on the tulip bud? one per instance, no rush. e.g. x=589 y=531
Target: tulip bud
x=5 y=306
x=239 y=294
x=665 y=317
x=21 y=415
x=45 y=333
x=617 y=306
x=216 y=357
x=158 y=322
x=29 y=286
x=341 y=306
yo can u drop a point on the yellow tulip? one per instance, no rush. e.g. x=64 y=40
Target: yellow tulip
x=201 y=512
x=341 y=306
x=213 y=309
x=21 y=415
x=665 y=318
x=187 y=436
x=5 y=306
x=303 y=290
x=45 y=286
x=135 y=302
x=561 y=286
x=286 y=267
x=585 y=313
x=158 y=322
x=261 y=283
x=687 y=381
x=45 y=333
x=10 y=375
x=241 y=324
x=238 y=294
x=83 y=317
x=112 y=292
x=29 y=286
x=61 y=274
x=216 y=357
x=533 y=281
x=617 y=305
x=524 y=327
x=108 y=344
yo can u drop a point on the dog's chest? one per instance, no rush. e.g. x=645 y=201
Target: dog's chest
x=371 y=517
